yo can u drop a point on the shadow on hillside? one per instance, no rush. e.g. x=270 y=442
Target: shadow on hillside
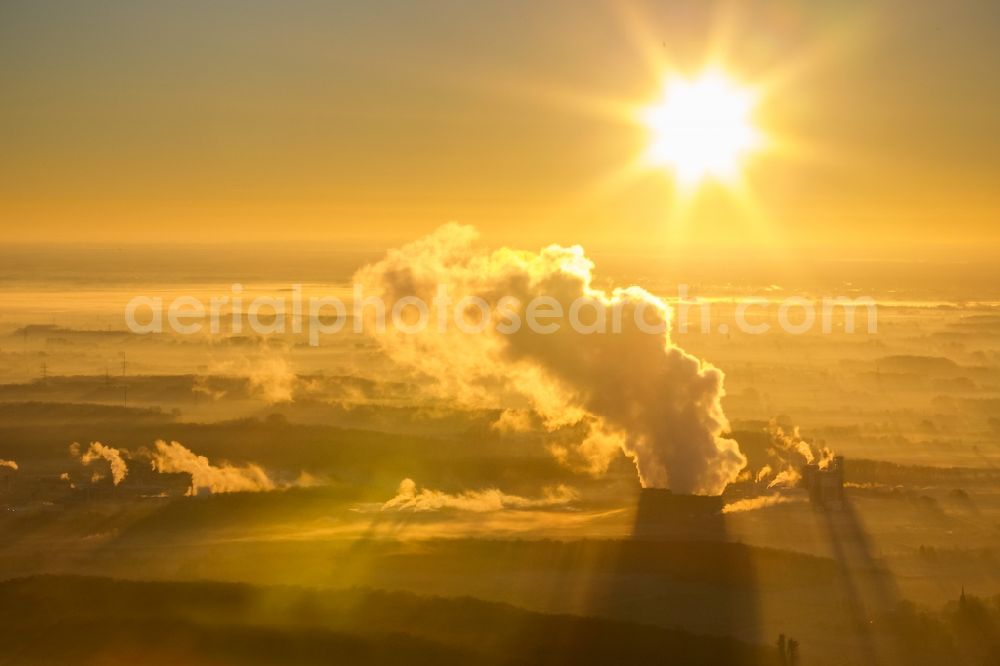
x=869 y=586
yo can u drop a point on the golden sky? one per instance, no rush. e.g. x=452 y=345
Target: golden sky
x=380 y=120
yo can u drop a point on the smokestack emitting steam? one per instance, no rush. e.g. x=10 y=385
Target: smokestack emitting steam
x=98 y=451
x=788 y=453
x=629 y=389
x=175 y=458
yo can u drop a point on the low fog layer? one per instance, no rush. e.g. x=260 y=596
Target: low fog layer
x=506 y=474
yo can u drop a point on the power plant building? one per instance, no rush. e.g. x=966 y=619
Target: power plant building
x=825 y=485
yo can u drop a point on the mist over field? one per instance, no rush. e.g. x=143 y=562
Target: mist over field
x=337 y=471
x=500 y=332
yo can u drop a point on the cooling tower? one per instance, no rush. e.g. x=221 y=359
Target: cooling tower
x=665 y=515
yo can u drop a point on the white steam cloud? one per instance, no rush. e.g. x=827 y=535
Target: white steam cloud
x=761 y=502
x=625 y=388
x=269 y=377
x=272 y=379
x=788 y=453
x=786 y=478
x=176 y=458
x=410 y=498
x=98 y=451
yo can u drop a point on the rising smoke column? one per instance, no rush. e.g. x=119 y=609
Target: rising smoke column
x=176 y=458
x=98 y=451
x=628 y=389
x=787 y=454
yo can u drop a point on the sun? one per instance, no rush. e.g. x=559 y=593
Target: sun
x=702 y=128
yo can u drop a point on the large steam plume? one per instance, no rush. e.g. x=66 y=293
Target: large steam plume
x=410 y=498
x=98 y=451
x=176 y=458
x=9 y=464
x=626 y=389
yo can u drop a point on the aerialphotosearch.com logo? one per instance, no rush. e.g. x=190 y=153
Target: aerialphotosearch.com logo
x=318 y=316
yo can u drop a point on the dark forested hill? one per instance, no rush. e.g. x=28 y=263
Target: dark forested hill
x=82 y=620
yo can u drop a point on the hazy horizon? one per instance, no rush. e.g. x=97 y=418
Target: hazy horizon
x=500 y=333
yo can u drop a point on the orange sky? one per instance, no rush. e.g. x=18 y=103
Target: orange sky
x=378 y=121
